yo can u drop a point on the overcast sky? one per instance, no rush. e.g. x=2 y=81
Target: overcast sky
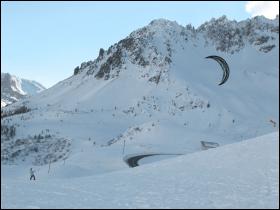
x=45 y=41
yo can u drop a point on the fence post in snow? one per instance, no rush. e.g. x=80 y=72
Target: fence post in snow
x=49 y=167
x=123 y=146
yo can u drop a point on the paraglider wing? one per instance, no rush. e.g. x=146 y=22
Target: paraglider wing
x=224 y=66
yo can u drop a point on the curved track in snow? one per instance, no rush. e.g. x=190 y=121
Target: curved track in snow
x=133 y=161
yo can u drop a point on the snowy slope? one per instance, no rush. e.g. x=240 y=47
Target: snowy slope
x=31 y=87
x=14 y=88
x=154 y=91
x=239 y=175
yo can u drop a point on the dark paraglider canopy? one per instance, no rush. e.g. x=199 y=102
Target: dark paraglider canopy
x=224 y=66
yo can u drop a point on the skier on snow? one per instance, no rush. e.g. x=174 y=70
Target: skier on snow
x=32 y=174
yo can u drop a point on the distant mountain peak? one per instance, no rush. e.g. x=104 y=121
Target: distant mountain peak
x=14 y=88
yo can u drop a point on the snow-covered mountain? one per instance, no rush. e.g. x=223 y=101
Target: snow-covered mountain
x=153 y=91
x=14 y=88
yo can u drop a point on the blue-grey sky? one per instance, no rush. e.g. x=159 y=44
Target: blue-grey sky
x=45 y=41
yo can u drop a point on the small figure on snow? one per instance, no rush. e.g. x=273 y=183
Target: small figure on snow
x=32 y=174
x=273 y=122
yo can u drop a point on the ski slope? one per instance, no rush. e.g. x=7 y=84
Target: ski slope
x=238 y=175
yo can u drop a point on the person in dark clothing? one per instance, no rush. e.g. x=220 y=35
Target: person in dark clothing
x=32 y=174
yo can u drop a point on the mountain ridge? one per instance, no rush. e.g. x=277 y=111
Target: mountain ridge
x=238 y=33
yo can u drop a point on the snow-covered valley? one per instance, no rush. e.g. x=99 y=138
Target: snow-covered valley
x=239 y=175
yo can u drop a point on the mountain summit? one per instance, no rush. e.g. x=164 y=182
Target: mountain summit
x=154 y=44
